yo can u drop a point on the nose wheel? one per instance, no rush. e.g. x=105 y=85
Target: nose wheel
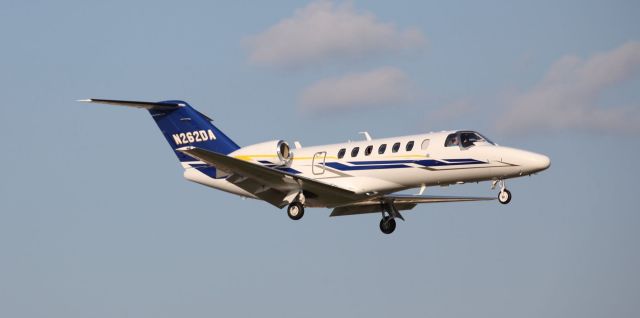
x=295 y=211
x=504 y=196
x=387 y=225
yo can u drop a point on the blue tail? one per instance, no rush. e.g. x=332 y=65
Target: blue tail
x=181 y=125
x=184 y=126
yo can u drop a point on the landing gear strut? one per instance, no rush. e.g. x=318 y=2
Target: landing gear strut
x=389 y=215
x=504 y=196
x=295 y=210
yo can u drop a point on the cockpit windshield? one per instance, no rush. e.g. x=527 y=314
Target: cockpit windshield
x=466 y=139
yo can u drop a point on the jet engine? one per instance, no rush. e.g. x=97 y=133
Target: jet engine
x=277 y=152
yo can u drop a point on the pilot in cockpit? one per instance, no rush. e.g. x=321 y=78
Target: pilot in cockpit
x=452 y=141
x=466 y=139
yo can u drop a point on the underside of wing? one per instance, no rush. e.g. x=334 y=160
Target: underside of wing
x=269 y=184
x=401 y=202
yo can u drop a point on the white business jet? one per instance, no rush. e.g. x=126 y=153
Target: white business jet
x=351 y=178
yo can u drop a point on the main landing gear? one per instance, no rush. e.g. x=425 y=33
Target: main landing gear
x=387 y=225
x=295 y=211
x=389 y=215
x=504 y=196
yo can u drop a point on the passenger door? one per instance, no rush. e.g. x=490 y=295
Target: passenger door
x=318 y=162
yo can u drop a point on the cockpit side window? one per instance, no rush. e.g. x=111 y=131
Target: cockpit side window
x=452 y=140
x=466 y=139
x=471 y=138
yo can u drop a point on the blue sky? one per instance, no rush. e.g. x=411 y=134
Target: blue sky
x=96 y=220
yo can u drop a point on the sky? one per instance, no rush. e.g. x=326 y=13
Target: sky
x=96 y=219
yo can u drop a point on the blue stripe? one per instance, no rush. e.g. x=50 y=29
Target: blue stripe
x=380 y=162
x=464 y=160
x=343 y=167
x=397 y=164
x=289 y=170
x=271 y=165
x=430 y=162
x=438 y=163
x=211 y=171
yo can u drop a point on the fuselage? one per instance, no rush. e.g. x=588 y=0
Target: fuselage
x=381 y=166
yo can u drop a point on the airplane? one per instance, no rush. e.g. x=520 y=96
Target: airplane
x=351 y=178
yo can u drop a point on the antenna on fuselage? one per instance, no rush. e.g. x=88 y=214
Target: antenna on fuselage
x=366 y=135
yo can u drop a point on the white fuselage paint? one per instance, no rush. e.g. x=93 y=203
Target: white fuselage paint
x=392 y=171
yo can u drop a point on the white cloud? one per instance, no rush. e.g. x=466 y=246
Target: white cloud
x=567 y=97
x=324 y=31
x=385 y=86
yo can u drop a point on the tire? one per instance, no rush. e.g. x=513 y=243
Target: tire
x=387 y=225
x=504 y=196
x=295 y=211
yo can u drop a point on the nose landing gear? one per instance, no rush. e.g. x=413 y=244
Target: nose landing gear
x=504 y=196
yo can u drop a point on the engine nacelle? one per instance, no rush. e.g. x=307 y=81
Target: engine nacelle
x=275 y=151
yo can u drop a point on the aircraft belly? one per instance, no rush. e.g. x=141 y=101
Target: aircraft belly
x=220 y=184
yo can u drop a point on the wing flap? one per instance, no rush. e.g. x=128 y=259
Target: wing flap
x=401 y=202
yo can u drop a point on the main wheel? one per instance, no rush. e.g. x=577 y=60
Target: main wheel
x=387 y=225
x=295 y=210
x=504 y=196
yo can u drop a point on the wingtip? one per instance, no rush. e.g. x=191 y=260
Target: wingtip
x=88 y=100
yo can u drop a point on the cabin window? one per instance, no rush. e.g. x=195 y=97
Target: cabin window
x=341 y=153
x=367 y=151
x=395 y=147
x=409 y=146
x=354 y=151
x=425 y=144
x=382 y=149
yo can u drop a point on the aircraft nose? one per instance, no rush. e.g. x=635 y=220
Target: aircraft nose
x=539 y=162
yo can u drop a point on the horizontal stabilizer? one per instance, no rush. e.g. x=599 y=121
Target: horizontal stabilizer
x=136 y=104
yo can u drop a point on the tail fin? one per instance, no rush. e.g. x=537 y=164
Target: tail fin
x=181 y=125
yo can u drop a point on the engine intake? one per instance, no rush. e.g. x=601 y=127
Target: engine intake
x=277 y=152
x=284 y=152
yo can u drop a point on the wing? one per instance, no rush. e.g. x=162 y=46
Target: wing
x=401 y=202
x=270 y=184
